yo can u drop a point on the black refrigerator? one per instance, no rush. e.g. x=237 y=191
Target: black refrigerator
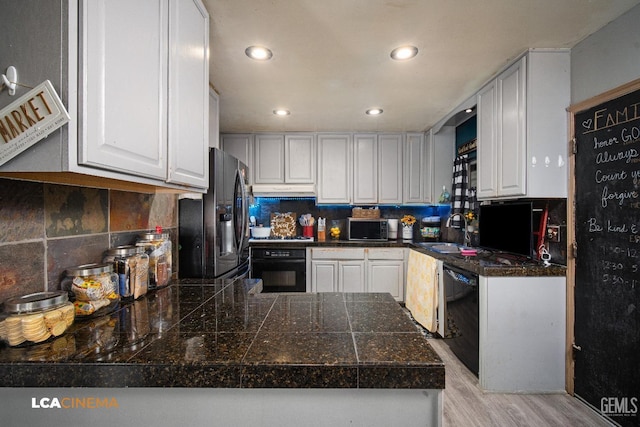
x=214 y=230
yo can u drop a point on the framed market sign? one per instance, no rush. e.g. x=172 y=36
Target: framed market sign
x=29 y=119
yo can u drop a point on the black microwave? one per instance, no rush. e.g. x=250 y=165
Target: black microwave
x=367 y=229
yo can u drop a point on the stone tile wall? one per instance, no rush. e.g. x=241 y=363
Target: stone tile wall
x=46 y=228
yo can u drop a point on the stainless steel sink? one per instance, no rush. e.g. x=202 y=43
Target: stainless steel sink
x=441 y=247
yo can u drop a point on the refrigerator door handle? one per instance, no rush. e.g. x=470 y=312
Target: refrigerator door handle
x=242 y=207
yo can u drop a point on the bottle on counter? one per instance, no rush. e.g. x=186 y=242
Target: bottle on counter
x=158 y=247
x=445 y=197
x=131 y=263
x=322 y=234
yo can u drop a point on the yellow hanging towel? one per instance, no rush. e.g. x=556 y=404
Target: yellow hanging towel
x=422 y=289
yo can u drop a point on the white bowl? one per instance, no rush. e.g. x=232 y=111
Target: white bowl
x=260 y=232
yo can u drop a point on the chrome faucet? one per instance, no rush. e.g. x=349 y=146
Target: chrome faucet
x=467 y=238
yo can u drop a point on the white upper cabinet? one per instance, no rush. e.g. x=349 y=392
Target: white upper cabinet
x=269 y=159
x=134 y=79
x=284 y=159
x=377 y=168
x=487 y=150
x=522 y=128
x=214 y=119
x=334 y=168
x=415 y=171
x=390 y=168
x=300 y=159
x=428 y=164
x=511 y=141
x=365 y=169
x=124 y=62
x=240 y=146
x=188 y=100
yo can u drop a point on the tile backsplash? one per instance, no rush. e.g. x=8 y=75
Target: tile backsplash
x=46 y=228
x=263 y=207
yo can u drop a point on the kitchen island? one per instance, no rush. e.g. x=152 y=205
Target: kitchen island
x=327 y=348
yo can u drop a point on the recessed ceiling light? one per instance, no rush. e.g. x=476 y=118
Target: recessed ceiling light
x=281 y=112
x=258 y=53
x=374 y=111
x=404 y=52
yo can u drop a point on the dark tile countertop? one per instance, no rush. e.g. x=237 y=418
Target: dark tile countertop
x=222 y=334
x=476 y=264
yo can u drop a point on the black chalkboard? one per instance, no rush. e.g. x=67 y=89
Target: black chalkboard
x=607 y=273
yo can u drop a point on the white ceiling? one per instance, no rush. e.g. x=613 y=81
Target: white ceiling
x=331 y=57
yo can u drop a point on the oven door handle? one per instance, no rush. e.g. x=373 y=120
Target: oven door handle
x=272 y=260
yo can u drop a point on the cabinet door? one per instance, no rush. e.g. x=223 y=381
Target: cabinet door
x=214 y=119
x=123 y=94
x=324 y=276
x=351 y=276
x=365 y=168
x=442 y=153
x=487 y=151
x=414 y=169
x=511 y=137
x=334 y=168
x=239 y=146
x=386 y=276
x=268 y=161
x=390 y=168
x=188 y=123
x=300 y=159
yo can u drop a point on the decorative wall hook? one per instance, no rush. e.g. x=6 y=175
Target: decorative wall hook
x=10 y=80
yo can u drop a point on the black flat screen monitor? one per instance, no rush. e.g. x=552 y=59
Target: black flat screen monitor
x=507 y=227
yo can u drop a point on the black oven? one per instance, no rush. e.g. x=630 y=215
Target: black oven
x=281 y=270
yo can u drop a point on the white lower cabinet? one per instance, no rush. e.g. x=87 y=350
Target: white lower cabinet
x=351 y=276
x=324 y=276
x=386 y=276
x=357 y=270
x=522 y=334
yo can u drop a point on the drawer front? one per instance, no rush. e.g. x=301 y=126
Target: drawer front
x=385 y=253
x=337 y=253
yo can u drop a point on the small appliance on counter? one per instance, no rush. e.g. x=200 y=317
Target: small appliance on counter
x=392 y=228
x=367 y=229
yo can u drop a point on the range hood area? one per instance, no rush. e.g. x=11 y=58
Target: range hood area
x=283 y=190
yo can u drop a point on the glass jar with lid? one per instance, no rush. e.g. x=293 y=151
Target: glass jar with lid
x=95 y=289
x=159 y=249
x=131 y=264
x=35 y=318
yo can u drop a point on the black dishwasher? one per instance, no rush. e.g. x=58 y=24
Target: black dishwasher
x=462 y=311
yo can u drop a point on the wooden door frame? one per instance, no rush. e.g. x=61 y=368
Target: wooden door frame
x=572 y=250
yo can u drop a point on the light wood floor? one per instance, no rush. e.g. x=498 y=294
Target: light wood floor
x=465 y=404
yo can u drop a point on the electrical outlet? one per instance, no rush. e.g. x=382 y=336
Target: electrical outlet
x=553 y=233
